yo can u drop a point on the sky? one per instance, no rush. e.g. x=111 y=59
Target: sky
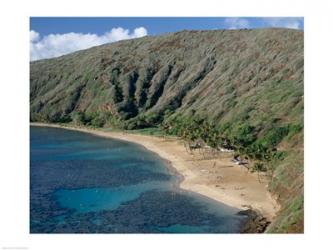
x=56 y=36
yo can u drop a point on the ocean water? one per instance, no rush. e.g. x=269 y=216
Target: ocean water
x=81 y=183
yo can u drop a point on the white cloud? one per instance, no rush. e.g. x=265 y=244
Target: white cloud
x=34 y=36
x=54 y=45
x=139 y=32
x=284 y=22
x=236 y=23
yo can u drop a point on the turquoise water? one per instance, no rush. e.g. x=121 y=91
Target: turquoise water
x=95 y=199
x=80 y=183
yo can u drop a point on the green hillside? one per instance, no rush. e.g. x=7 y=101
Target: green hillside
x=243 y=88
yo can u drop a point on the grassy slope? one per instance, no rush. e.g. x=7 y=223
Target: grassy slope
x=247 y=80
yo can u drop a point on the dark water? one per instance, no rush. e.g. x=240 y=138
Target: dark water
x=80 y=183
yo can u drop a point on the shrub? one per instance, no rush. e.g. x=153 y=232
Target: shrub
x=259 y=167
x=78 y=118
x=274 y=136
x=294 y=129
x=244 y=135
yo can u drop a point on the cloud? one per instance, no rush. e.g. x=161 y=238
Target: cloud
x=34 y=36
x=54 y=45
x=139 y=32
x=278 y=22
x=236 y=23
x=284 y=22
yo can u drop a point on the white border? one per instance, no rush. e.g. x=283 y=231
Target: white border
x=14 y=104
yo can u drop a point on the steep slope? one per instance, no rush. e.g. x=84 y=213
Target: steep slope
x=244 y=81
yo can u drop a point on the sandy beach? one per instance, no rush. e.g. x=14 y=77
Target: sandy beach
x=219 y=179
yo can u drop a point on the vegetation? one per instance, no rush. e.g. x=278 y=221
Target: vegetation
x=200 y=132
x=241 y=90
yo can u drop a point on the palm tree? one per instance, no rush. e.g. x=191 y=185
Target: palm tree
x=258 y=167
x=165 y=127
x=271 y=157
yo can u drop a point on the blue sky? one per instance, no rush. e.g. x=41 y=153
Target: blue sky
x=55 y=36
x=155 y=25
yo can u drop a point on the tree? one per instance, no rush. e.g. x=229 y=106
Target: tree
x=78 y=118
x=258 y=167
x=165 y=127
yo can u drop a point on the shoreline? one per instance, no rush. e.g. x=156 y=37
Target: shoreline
x=218 y=179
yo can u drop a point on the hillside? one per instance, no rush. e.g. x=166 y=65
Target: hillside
x=246 y=84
